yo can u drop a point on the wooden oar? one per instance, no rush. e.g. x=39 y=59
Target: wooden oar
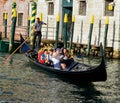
x=8 y=57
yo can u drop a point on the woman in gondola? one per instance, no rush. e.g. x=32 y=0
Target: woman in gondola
x=65 y=59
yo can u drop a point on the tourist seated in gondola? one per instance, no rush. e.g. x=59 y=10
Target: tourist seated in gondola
x=49 y=61
x=43 y=56
x=65 y=59
x=56 y=58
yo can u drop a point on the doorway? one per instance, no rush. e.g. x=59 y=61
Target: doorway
x=68 y=11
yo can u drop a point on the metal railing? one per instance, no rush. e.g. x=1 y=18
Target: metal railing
x=47 y=32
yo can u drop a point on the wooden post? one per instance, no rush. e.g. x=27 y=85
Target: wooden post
x=41 y=16
x=99 y=32
x=13 y=27
x=71 y=36
x=5 y=25
x=33 y=20
x=28 y=26
x=13 y=7
x=57 y=30
x=81 y=32
x=33 y=13
x=65 y=35
x=106 y=31
x=90 y=35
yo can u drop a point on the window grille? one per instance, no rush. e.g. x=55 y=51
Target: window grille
x=82 y=7
x=50 y=8
x=20 y=19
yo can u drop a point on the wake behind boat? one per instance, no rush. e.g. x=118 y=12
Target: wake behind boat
x=77 y=72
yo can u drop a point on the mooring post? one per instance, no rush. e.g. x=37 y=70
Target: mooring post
x=65 y=32
x=13 y=7
x=106 y=31
x=13 y=26
x=81 y=31
x=28 y=26
x=57 y=30
x=90 y=35
x=5 y=25
x=99 y=32
x=12 y=34
x=33 y=21
x=0 y=35
x=41 y=17
x=72 y=31
x=113 y=34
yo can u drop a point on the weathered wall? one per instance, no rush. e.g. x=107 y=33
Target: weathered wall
x=21 y=7
x=96 y=8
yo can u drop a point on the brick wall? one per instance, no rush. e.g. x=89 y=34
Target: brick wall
x=21 y=7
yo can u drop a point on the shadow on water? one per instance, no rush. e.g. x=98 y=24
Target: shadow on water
x=85 y=91
x=88 y=94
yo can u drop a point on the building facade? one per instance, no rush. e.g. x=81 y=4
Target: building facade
x=83 y=10
x=22 y=8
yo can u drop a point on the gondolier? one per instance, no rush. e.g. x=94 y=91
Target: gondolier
x=37 y=32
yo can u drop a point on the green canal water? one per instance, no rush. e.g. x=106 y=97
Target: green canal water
x=22 y=83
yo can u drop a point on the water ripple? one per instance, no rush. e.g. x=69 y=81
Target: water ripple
x=21 y=83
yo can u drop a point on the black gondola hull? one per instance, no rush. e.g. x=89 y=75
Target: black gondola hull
x=98 y=73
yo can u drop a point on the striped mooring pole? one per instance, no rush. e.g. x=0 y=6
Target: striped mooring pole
x=33 y=13
x=106 y=31
x=5 y=25
x=13 y=7
x=65 y=32
x=33 y=16
x=57 y=30
x=12 y=34
x=72 y=31
x=90 y=35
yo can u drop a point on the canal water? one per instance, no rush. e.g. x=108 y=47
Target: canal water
x=22 y=83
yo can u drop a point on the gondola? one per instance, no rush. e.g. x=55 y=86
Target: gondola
x=76 y=71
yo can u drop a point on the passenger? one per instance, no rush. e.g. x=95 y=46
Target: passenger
x=49 y=61
x=56 y=58
x=50 y=54
x=43 y=56
x=65 y=59
x=46 y=55
x=66 y=54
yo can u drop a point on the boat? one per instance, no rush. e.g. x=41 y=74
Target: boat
x=76 y=72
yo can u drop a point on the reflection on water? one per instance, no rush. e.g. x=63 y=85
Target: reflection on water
x=20 y=83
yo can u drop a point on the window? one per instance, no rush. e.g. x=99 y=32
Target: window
x=20 y=19
x=82 y=7
x=108 y=12
x=50 y=8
